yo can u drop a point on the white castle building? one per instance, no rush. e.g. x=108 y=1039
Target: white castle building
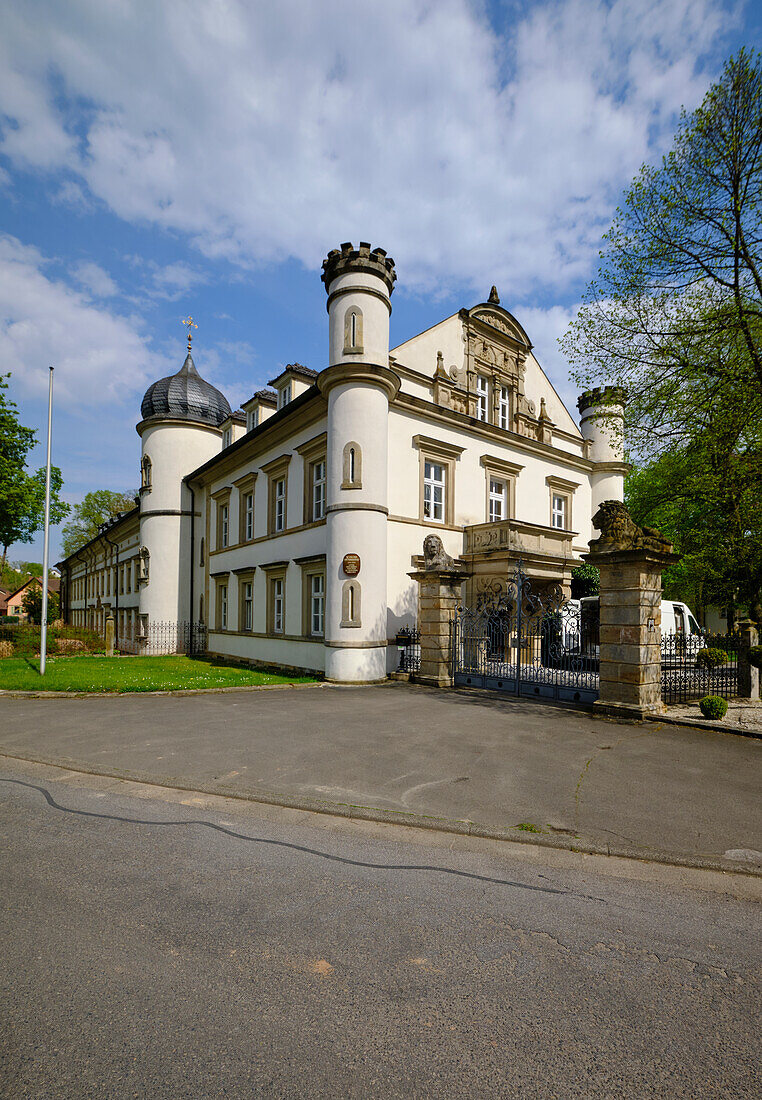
x=290 y=528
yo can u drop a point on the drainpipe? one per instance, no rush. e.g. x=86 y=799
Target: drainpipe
x=115 y=546
x=192 y=556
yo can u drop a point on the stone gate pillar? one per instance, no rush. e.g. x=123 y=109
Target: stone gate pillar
x=631 y=561
x=748 y=675
x=439 y=593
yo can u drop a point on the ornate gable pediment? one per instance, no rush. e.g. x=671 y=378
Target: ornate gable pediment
x=500 y=321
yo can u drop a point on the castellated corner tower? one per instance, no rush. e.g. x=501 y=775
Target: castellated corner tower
x=602 y=424
x=358 y=385
x=180 y=430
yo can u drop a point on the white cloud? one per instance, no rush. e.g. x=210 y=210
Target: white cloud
x=93 y=278
x=263 y=131
x=100 y=356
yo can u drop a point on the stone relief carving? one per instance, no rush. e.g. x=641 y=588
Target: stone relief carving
x=619 y=531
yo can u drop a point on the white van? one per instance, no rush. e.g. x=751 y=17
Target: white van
x=676 y=619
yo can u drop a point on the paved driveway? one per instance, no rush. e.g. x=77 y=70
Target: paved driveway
x=496 y=761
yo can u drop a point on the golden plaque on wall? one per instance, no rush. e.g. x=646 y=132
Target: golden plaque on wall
x=351 y=564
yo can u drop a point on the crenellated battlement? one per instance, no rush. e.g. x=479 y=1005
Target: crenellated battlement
x=341 y=261
x=601 y=396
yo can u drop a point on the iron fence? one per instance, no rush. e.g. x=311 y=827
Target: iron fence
x=161 y=638
x=409 y=641
x=695 y=665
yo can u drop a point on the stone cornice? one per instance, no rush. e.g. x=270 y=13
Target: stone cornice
x=373 y=374
x=479 y=429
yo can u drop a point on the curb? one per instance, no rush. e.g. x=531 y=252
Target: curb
x=461 y=827
x=699 y=724
x=149 y=694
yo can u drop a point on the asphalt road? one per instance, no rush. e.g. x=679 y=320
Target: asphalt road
x=160 y=945
x=498 y=761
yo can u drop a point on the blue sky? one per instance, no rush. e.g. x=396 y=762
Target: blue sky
x=202 y=156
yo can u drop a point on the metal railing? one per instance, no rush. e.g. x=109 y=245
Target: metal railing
x=161 y=638
x=695 y=665
x=409 y=641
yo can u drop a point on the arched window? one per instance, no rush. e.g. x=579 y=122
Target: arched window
x=353 y=330
x=145 y=474
x=352 y=467
x=350 y=603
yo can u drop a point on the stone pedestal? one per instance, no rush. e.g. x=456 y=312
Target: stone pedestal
x=748 y=676
x=439 y=596
x=630 y=629
x=109 y=635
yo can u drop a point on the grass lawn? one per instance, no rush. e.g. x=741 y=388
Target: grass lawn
x=130 y=674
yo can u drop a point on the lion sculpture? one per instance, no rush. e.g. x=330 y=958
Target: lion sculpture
x=619 y=531
x=435 y=556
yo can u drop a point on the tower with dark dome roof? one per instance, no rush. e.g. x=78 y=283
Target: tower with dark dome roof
x=180 y=429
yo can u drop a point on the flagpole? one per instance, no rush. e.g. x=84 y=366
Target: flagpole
x=44 y=623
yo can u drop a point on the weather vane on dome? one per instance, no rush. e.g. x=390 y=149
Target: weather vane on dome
x=189 y=323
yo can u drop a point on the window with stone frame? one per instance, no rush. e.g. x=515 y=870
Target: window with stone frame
x=498 y=500
x=245 y=488
x=222 y=616
x=504 y=408
x=434 y=489
x=246 y=602
x=500 y=479
x=313 y=455
x=277 y=494
x=277 y=603
x=222 y=505
x=482 y=397
x=561 y=493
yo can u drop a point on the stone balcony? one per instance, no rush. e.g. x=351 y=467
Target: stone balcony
x=514 y=539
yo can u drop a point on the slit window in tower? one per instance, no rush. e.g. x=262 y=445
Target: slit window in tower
x=433 y=492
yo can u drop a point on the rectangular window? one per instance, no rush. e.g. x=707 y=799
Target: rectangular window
x=284 y=396
x=318 y=490
x=248 y=517
x=224 y=515
x=247 y=604
x=250 y=421
x=505 y=408
x=223 y=606
x=498 y=500
x=226 y=438
x=277 y=591
x=482 y=396
x=279 y=509
x=317 y=604
x=434 y=492
x=558 y=512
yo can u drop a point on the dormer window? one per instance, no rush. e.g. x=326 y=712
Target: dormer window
x=284 y=395
x=227 y=438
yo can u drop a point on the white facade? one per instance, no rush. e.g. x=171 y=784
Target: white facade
x=291 y=529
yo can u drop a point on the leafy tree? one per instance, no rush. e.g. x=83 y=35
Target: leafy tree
x=586 y=581
x=96 y=508
x=31 y=604
x=22 y=495
x=675 y=317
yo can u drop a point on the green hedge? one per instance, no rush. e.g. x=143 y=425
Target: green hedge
x=23 y=640
x=711 y=658
x=713 y=707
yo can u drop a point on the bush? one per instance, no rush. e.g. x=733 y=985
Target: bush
x=755 y=656
x=23 y=640
x=711 y=658
x=713 y=707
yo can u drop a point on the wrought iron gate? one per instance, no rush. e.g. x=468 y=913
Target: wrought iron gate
x=528 y=643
